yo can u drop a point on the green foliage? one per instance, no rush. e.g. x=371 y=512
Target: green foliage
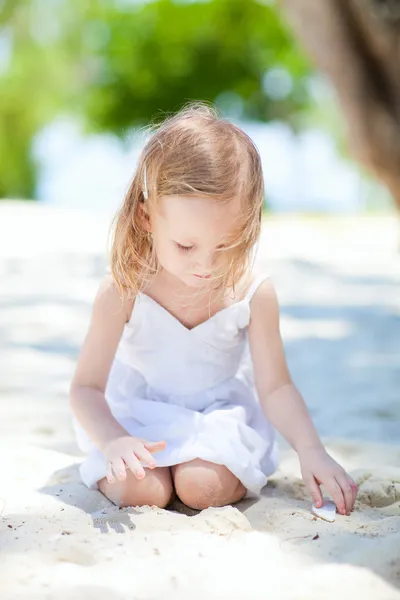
x=33 y=89
x=153 y=58
x=117 y=64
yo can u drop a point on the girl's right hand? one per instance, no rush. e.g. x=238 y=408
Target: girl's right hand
x=128 y=452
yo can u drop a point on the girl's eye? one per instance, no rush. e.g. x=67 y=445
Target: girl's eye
x=184 y=248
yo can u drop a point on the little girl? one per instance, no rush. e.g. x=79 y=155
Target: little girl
x=182 y=376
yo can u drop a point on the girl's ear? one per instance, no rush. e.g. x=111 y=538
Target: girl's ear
x=144 y=216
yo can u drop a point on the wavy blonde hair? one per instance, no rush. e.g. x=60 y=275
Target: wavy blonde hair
x=194 y=153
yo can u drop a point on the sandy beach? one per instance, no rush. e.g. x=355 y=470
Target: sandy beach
x=338 y=280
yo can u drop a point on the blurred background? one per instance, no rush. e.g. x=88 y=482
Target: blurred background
x=80 y=79
x=314 y=84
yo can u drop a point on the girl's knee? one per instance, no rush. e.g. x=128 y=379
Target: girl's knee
x=201 y=484
x=156 y=489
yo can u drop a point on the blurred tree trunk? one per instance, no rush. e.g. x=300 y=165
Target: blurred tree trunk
x=356 y=43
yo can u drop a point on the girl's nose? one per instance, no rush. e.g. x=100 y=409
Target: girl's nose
x=206 y=263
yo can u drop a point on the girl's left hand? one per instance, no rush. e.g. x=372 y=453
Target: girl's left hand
x=318 y=468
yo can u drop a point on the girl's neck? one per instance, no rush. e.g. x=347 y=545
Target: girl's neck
x=180 y=291
x=166 y=284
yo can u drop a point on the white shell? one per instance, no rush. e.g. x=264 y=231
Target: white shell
x=327 y=511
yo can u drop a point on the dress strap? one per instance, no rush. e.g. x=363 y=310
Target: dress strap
x=255 y=284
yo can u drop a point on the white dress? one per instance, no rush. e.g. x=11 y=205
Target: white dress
x=192 y=388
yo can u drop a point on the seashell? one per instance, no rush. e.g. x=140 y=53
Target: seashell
x=327 y=511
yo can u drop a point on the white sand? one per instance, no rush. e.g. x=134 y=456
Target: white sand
x=339 y=285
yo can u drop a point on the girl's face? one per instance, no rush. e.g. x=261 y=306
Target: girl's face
x=187 y=234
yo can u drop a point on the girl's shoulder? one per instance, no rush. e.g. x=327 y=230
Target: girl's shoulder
x=263 y=297
x=110 y=301
x=252 y=282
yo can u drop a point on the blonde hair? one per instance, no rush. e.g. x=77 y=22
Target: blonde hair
x=194 y=153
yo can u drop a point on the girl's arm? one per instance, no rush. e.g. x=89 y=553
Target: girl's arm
x=284 y=406
x=87 y=399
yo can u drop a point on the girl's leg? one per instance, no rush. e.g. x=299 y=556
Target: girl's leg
x=201 y=484
x=156 y=489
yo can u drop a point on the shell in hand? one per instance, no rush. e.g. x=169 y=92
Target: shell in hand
x=327 y=511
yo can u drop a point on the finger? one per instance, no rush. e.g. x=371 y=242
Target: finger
x=347 y=491
x=354 y=489
x=154 y=446
x=335 y=491
x=314 y=490
x=134 y=465
x=144 y=456
x=119 y=469
x=109 y=473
